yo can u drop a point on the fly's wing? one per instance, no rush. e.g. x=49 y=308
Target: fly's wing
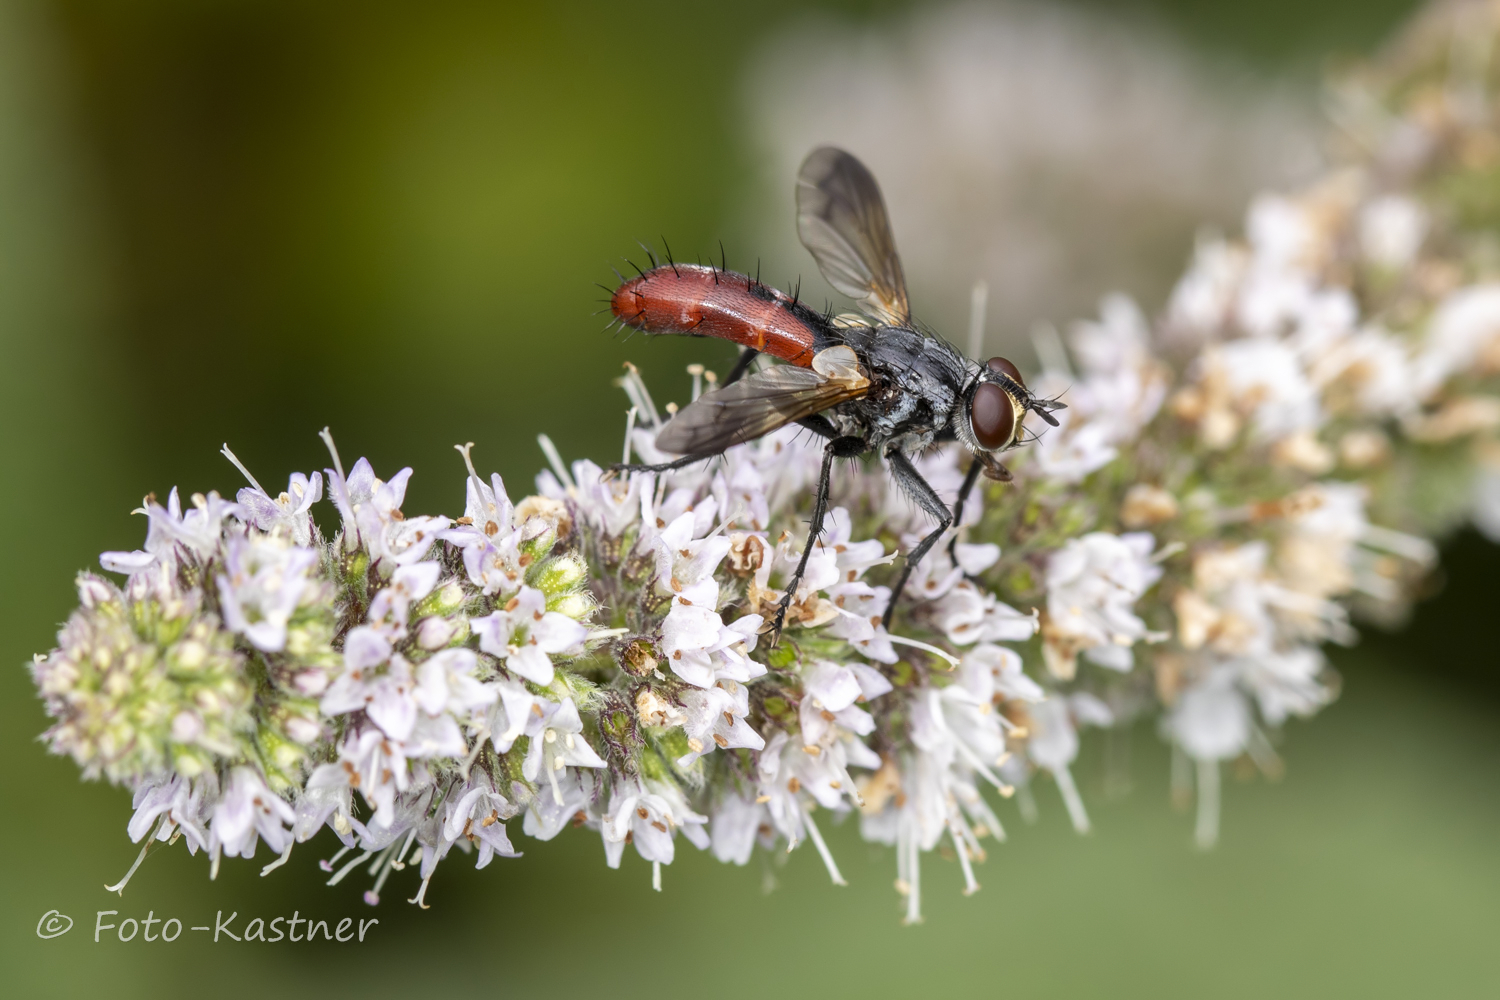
x=841 y=219
x=761 y=403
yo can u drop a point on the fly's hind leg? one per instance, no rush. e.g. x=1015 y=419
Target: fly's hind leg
x=910 y=480
x=741 y=366
x=843 y=447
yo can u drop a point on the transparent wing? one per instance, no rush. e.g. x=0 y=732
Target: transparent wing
x=759 y=404
x=842 y=221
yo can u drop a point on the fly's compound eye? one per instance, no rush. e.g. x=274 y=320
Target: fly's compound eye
x=1002 y=366
x=991 y=416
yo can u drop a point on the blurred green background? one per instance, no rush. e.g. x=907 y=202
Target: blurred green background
x=226 y=221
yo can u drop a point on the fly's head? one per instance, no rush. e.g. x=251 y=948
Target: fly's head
x=995 y=407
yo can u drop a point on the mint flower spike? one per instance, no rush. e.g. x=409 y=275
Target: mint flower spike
x=1230 y=487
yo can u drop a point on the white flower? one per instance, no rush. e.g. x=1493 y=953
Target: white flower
x=650 y=813
x=684 y=559
x=327 y=799
x=716 y=718
x=1282 y=233
x=1123 y=385
x=479 y=814
x=371 y=509
x=546 y=817
x=740 y=490
x=248 y=808
x=1285 y=683
x=1265 y=379
x=290 y=513
x=861 y=609
x=376 y=765
x=1093 y=583
x=524 y=633
x=967 y=614
x=516 y=712
x=1465 y=325
x=263 y=580
x=699 y=647
x=486 y=536
x=1053 y=745
x=391 y=607
x=734 y=828
x=1211 y=719
x=446 y=683
x=1391 y=230
x=197 y=532
x=1071 y=451
x=374 y=681
x=1203 y=300
x=828 y=712
x=789 y=461
x=1369 y=371
x=558 y=745
x=993 y=672
x=185 y=804
x=609 y=506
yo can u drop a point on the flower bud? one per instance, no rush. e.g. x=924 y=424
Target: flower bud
x=559 y=575
x=435 y=632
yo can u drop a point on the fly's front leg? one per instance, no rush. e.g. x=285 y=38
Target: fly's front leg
x=844 y=447
x=818 y=424
x=676 y=463
x=958 y=505
x=911 y=481
x=741 y=366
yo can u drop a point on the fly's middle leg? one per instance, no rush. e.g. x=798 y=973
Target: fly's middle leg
x=911 y=481
x=844 y=447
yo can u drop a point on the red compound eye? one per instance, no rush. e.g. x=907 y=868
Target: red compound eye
x=1004 y=367
x=991 y=416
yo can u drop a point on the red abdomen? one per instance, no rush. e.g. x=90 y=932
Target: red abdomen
x=691 y=298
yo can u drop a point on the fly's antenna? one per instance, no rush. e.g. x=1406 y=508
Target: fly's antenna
x=1044 y=407
x=650 y=254
x=672 y=263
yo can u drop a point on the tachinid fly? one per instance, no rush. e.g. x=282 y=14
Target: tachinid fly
x=869 y=383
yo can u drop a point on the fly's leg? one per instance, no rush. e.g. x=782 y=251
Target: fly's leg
x=844 y=447
x=958 y=505
x=819 y=425
x=741 y=366
x=676 y=463
x=910 y=480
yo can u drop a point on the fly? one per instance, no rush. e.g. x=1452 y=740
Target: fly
x=867 y=383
